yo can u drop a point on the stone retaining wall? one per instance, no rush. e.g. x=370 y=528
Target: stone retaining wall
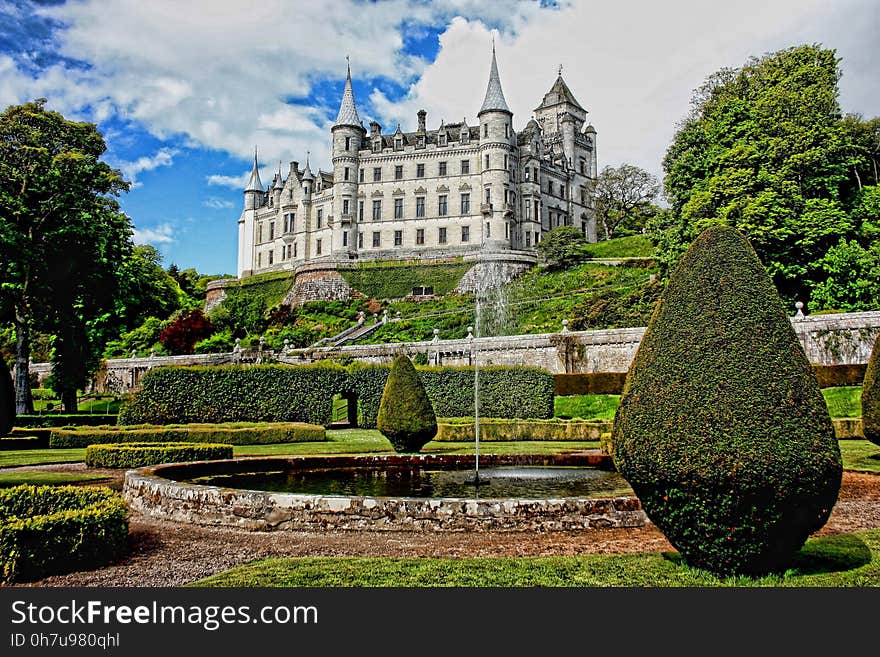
x=148 y=492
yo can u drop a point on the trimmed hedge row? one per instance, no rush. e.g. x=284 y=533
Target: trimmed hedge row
x=501 y=430
x=835 y=376
x=65 y=420
x=240 y=433
x=589 y=383
x=283 y=393
x=46 y=530
x=136 y=455
x=22 y=442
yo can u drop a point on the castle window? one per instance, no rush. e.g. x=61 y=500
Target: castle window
x=465 y=135
x=528 y=239
x=465 y=233
x=360 y=210
x=259 y=260
x=527 y=174
x=441 y=235
x=377 y=210
x=537 y=237
x=361 y=175
x=420 y=206
x=347 y=172
x=485 y=129
x=506 y=230
x=377 y=239
x=272 y=256
x=320 y=217
x=398 y=172
x=487 y=162
x=441 y=205
x=583 y=164
x=259 y=233
x=345 y=238
x=420 y=236
x=488 y=195
x=488 y=230
x=289 y=194
x=537 y=215
x=398 y=238
x=583 y=196
x=398 y=208
x=528 y=211
x=507 y=131
x=360 y=240
x=377 y=145
x=442 y=169
x=377 y=174
x=345 y=205
x=506 y=165
x=420 y=171
x=347 y=145
x=466 y=203
x=286 y=224
x=441 y=140
x=294 y=249
x=420 y=141
x=465 y=167
x=536 y=174
x=271 y=230
x=318 y=247
x=398 y=143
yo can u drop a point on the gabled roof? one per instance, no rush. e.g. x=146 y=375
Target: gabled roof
x=494 y=100
x=559 y=93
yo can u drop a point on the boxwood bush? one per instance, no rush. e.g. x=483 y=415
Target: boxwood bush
x=232 y=433
x=406 y=417
x=136 y=455
x=46 y=530
x=499 y=429
x=283 y=393
x=871 y=396
x=722 y=431
x=589 y=383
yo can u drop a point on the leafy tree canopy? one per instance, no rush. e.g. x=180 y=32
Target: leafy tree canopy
x=624 y=198
x=562 y=247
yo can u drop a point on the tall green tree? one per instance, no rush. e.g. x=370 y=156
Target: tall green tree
x=62 y=237
x=624 y=197
x=766 y=150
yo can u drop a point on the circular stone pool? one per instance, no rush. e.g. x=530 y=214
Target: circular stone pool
x=403 y=492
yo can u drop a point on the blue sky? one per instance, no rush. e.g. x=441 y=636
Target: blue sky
x=183 y=91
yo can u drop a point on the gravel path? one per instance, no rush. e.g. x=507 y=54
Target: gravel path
x=171 y=554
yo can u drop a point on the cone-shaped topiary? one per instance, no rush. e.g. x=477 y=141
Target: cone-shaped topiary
x=7 y=400
x=406 y=416
x=871 y=396
x=722 y=431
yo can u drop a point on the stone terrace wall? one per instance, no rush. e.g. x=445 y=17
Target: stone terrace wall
x=827 y=339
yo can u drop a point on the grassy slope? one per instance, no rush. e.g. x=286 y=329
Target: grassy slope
x=634 y=246
x=843 y=560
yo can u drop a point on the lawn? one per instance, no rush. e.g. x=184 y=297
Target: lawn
x=844 y=402
x=586 y=407
x=860 y=455
x=42 y=477
x=842 y=560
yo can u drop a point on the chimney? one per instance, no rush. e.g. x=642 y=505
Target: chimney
x=294 y=167
x=375 y=129
x=422 y=114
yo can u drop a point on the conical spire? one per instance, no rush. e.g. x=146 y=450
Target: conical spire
x=255 y=184
x=494 y=100
x=307 y=173
x=348 y=114
x=279 y=181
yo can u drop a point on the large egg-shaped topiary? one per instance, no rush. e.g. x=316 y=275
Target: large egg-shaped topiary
x=406 y=417
x=722 y=430
x=871 y=396
x=7 y=401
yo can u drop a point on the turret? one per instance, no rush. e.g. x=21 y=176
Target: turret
x=277 y=187
x=348 y=135
x=496 y=150
x=253 y=199
x=253 y=193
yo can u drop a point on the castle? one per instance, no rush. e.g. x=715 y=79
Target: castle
x=454 y=191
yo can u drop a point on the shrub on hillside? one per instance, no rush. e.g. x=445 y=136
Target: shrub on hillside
x=45 y=530
x=136 y=455
x=181 y=335
x=406 y=417
x=7 y=400
x=562 y=247
x=722 y=430
x=871 y=396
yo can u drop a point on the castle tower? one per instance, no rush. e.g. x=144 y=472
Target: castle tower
x=348 y=133
x=308 y=184
x=562 y=119
x=253 y=199
x=497 y=140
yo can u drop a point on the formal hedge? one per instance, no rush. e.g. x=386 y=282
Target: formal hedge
x=50 y=420
x=46 y=530
x=836 y=376
x=7 y=400
x=230 y=433
x=722 y=430
x=589 y=383
x=406 y=417
x=500 y=430
x=871 y=396
x=136 y=455
x=283 y=393
x=22 y=442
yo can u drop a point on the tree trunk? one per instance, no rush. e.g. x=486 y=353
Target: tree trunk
x=23 y=401
x=68 y=400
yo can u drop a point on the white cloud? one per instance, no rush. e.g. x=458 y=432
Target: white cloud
x=217 y=203
x=160 y=234
x=130 y=170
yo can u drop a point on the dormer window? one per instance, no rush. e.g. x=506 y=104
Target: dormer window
x=377 y=145
x=398 y=143
x=441 y=140
x=420 y=141
x=465 y=136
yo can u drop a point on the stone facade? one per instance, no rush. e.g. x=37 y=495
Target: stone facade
x=456 y=190
x=149 y=492
x=827 y=340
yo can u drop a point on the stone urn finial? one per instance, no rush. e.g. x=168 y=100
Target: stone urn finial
x=799 y=306
x=565 y=326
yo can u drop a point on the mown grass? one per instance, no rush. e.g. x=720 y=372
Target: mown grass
x=842 y=560
x=633 y=246
x=860 y=455
x=844 y=402
x=586 y=407
x=43 y=478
